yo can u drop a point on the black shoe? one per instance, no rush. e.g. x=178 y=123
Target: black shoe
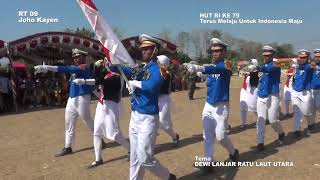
x=95 y=164
x=206 y=170
x=243 y=127
x=172 y=177
x=103 y=144
x=267 y=121
x=312 y=128
x=285 y=116
x=235 y=156
x=190 y=98
x=260 y=147
x=176 y=140
x=65 y=151
x=297 y=134
x=281 y=138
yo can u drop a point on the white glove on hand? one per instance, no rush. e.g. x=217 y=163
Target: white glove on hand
x=40 y=69
x=79 y=81
x=90 y=82
x=195 y=68
x=133 y=85
x=45 y=68
x=199 y=74
x=98 y=63
x=294 y=65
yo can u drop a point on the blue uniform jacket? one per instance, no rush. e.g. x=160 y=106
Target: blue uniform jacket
x=218 y=82
x=270 y=80
x=302 y=78
x=146 y=101
x=315 y=82
x=77 y=72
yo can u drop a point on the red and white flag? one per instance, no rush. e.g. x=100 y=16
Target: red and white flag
x=112 y=47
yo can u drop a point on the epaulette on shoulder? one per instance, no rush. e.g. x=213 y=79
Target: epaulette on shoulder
x=83 y=66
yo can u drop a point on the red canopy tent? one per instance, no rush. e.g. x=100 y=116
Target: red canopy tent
x=17 y=65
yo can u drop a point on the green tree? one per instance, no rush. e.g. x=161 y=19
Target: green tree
x=285 y=50
x=184 y=58
x=81 y=31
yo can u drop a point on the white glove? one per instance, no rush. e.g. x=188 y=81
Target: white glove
x=90 y=82
x=195 y=68
x=79 y=81
x=130 y=88
x=294 y=65
x=45 y=68
x=133 y=85
x=98 y=63
x=40 y=69
x=199 y=74
x=252 y=68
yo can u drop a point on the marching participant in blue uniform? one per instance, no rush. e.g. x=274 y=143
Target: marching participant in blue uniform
x=301 y=93
x=144 y=120
x=268 y=97
x=216 y=109
x=79 y=96
x=315 y=82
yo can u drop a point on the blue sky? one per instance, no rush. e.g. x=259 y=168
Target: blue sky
x=151 y=17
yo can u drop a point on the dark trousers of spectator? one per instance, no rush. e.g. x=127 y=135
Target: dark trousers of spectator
x=8 y=101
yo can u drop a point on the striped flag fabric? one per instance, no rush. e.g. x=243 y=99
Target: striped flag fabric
x=113 y=48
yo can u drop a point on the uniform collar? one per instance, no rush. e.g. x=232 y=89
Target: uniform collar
x=301 y=66
x=152 y=61
x=304 y=64
x=219 y=61
x=270 y=61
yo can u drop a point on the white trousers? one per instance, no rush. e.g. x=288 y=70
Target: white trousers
x=215 y=123
x=286 y=99
x=268 y=108
x=106 y=122
x=165 y=115
x=142 y=134
x=248 y=103
x=302 y=105
x=76 y=106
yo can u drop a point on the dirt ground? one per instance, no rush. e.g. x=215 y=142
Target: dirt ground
x=28 y=142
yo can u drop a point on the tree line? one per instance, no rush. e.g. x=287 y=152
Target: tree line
x=194 y=45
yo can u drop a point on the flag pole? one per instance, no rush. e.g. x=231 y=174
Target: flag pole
x=112 y=47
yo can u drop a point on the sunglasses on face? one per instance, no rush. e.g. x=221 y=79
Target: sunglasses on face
x=147 y=48
x=216 y=50
x=317 y=56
